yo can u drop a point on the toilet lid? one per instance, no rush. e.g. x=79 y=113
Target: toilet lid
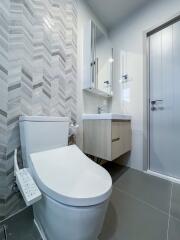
x=70 y=177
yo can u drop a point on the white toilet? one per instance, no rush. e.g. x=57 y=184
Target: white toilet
x=75 y=189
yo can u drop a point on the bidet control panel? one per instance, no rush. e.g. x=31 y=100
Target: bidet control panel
x=27 y=187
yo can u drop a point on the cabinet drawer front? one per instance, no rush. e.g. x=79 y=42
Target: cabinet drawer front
x=127 y=136
x=116 y=130
x=116 y=139
x=116 y=147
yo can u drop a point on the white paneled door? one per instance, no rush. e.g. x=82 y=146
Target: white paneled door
x=165 y=101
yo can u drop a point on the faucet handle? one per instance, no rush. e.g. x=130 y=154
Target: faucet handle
x=73 y=128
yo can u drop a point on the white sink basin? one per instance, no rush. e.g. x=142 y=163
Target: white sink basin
x=106 y=116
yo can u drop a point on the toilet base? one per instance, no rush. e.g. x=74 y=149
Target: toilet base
x=40 y=230
x=57 y=221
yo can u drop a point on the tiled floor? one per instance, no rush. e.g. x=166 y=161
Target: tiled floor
x=142 y=207
x=21 y=227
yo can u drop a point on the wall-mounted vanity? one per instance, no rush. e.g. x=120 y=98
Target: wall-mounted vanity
x=98 y=61
x=107 y=136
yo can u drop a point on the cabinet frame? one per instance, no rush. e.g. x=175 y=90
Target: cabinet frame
x=107 y=139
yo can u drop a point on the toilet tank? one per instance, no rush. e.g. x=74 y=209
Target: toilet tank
x=40 y=133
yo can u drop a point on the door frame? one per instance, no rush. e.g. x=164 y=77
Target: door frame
x=146 y=93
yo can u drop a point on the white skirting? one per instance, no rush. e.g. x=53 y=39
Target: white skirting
x=40 y=230
x=171 y=179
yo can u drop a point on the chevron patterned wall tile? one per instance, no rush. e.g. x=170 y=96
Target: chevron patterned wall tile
x=38 y=73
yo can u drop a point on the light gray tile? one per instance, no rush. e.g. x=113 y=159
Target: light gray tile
x=153 y=190
x=174 y=229
x=129 y=219
x=175 y=202
x=28 y=52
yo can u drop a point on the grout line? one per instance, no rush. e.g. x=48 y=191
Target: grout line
x=14 y=214
x=170 y=205
x=141 y=201
x=175 y=218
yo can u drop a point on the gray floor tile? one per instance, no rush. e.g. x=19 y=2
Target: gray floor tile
x=115 y=170
x=174 y=229
x=175 y=202
x=21 y=226
x=129 y=219
x=150 y=189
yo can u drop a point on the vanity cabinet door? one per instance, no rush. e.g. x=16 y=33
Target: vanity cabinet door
x=97 y=138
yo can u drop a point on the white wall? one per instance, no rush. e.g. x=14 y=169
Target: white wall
x=87 y=102
x=128 y=36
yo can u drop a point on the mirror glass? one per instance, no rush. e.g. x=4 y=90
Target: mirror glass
x=103 y=61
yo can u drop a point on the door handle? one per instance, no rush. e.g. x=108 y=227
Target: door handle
x=153 y=102
x=156 y=107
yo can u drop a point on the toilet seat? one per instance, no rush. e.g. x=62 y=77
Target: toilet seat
x=68 y=176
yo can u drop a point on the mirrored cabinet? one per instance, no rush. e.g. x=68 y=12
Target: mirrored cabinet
x=98 y=61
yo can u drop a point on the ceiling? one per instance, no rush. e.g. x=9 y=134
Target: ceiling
x=110 y=12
